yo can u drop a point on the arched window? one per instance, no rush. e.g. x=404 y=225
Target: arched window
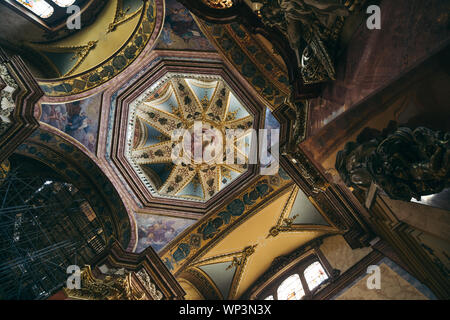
x=40 y=8
x=64 y=3
x=315 y=275
x=291 y=289
x=304 y=279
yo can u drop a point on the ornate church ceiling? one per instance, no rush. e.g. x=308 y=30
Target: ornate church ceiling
x=180 y=72
x=177 y=103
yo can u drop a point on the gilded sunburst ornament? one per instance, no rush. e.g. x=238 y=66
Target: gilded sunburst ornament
x=181 y=104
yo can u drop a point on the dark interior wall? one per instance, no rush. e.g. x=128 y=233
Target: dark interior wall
x=411 y=30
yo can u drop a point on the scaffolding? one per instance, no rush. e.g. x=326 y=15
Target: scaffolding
x=45 y=226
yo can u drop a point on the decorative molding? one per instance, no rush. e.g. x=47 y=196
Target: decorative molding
x=7 y=103
x=149 y=285
x=202 y=282
x=128 y=276
x=234 y=43
x=219 y=4
x=19 y=93
x=112 y=287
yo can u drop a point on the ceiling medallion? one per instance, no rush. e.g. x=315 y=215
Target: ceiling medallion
x=219 y=4
x=178 y=139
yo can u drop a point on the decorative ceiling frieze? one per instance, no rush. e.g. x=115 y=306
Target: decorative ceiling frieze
x=247 y=54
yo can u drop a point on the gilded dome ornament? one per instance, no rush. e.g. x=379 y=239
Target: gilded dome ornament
x=219 y=4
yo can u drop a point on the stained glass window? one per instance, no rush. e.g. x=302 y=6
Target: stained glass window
x=291 y=289
x=315 y=275
x=38 y=7
x=64 y=3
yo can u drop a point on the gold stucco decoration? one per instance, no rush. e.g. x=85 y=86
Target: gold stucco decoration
x=219 y=4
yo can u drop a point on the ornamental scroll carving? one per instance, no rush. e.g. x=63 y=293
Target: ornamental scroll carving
x=312 y=28
x=7 y=100
x=145 y=279
x=219 y=4
x=112 y=287
x=404 y=163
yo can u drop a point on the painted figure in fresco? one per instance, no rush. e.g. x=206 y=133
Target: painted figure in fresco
x=78 y=119
x=157 y=234
x=77 y=122
x=181 y=23
x=404 y=163
x=56 y=118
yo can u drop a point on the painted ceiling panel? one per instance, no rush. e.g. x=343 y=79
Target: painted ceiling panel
x=236 y=108
x=270 y=121
x=78 y=119
x=158 y=231
x=203 y=89
x=180 y=30
x=192 y=190
x=153 y=136
x=222 y=275
x=305 y=212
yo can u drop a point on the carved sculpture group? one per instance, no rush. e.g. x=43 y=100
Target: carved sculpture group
x=404 y=163
x=311 y=26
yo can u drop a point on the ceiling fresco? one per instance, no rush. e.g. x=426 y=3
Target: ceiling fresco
x=158 y=231
x=180 y=31
x=79 y=119
x=178 y=103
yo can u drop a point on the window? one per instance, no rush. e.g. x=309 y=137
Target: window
x=43 y=8
x=64 y=3
x=315 y=275
x=301 y=281
x=291 y=289
x=39 y=7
